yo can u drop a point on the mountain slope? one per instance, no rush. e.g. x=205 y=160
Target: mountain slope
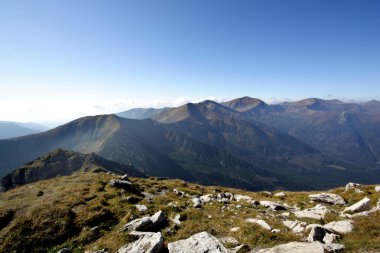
x=64 y=162
x=12 y=129
x=148 y=145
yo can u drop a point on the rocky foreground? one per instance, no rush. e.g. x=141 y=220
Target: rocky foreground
x=99 y=212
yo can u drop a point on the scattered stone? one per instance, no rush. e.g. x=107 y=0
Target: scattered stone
x=147 y=243
x=329 y=238
x=198 y=243
x=272 y=205
x=318 y=212
x=150 y=224
x=276 y=230
x=177 y=219
x=267 y=193
x=197 y=203
x=350 y=186
x=125 y=185
x=64 y=250
x=124 y=177
x=141 y=208
x=239 y=249
x=362 y=205
x=235 y=229
x=296 y=247
x=206 y=198
x=229 y=240
x=328 y=198
x=340 y=227
x=239 y=197
x=286 y=214
x=179 y=193
x=280 y=194
x=295 y=226
x=358 y=190
x=259 y=222
x=377 y=188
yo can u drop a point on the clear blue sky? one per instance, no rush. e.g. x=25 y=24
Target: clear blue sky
x=64 y=59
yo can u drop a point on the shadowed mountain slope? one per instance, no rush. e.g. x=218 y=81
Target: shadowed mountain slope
x=64 y=162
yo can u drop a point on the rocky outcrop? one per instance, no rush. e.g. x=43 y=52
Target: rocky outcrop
x=328 y=198
x=362 y=205
x=147 y=242
x=296 y=247
x=199 y=243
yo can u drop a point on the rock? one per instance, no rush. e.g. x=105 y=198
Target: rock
x=224 y=197
x=333 y=247
x=362 y=205
x=206 y=198
x=197 y=203
x=124 y=177
x=259 y=222
x=267 y=193
x=98 y=251
x=280 y=194
x=295 y=226
x=239 y=197
x=328 y=198
x=150 y=224
x=147 y=242
x=177 y=219
x=199 y=243
x=318 y=212
x=239 y=249
x=272 y=205
x=64 y=250
x=340 y=227
x=377 y=188
x=179 y=193
x=296 y=247
x=275 y=230
x=125 y=185
x=329 y=238
x=235 y=229
x=141 y=208
x=350 y=186
x=358 y=190
x=229 y=240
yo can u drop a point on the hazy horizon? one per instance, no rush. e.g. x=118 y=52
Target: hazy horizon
x=61 y=60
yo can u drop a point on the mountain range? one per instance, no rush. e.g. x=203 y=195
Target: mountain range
x=10 y=129
x=243 y=143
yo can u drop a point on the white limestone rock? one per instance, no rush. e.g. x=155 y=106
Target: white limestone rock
x=350 y=186
x=328 y=198
x=259 y=222
x=272 y=205
x=318 y=212
x=147 y=242
x=362 y=205
x=198 y=243
x=340 y=227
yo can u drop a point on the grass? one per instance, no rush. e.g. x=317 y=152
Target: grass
x=82 y=212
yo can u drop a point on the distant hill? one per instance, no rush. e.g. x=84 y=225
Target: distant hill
x=15 y=129
x=64 y=162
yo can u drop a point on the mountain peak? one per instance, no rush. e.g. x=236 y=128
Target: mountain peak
x=244 y=103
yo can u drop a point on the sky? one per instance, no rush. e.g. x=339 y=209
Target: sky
x=63 y=59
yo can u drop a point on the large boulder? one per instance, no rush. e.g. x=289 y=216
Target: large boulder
x=318 y=212
x=362 y=205
x=328 y=198
x=199 y=243
x=340 y=227
x=295 y=247
x=147 y=242
x=350 y=186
